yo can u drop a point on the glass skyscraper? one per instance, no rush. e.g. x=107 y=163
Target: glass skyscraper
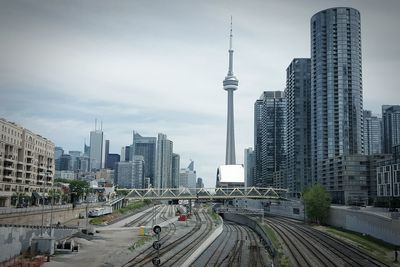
x=164 y=162
x=298 y=90
x=372 y=133
x=146 y=147
x=336 y=90
x=391 y=127
x=270 y=139
x=96 y=149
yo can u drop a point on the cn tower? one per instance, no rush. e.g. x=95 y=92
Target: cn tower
x=230 y=85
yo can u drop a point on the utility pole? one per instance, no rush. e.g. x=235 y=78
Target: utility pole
x=41 y=228
x=51 y=210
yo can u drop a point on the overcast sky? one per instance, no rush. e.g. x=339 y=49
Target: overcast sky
x=158 y=66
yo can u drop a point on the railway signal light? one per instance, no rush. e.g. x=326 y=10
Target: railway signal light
x=157 y=229
x=156 y=245
x=156 y=261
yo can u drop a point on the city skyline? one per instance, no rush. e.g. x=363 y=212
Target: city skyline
x=117 y=71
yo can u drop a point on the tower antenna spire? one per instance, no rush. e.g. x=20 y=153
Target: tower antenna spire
x=230 y=40
x=230 y=70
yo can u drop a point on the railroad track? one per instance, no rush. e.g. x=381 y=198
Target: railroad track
x=326 y=250
x=145 y=258
x=237 y=245
x=149 y=253
x=304 y=252
x=256 y=258
x=216 y=255
x=236 y=255
x=141 y=218
x=186 y=250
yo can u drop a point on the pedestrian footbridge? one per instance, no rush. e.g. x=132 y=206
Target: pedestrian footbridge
x=205 y=193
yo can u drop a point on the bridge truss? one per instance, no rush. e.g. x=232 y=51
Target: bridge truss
x=206 y=193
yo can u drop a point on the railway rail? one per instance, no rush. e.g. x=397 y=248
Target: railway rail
x=168 y=245
x=310 y=247
x=236 y=246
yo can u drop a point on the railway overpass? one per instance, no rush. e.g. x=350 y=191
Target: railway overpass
x=205 y=193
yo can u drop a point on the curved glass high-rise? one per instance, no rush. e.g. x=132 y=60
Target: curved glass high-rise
x=336 y=89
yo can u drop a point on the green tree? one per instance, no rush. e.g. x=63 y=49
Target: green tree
x=317 y=202
x=77 y=188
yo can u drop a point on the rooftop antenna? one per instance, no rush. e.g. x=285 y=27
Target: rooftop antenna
x=101 y=125
x=230 y=71
x=95 y=124
x=230 y=40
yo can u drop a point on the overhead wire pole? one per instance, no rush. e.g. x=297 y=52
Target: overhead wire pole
x=41 y=228
x=51 y=210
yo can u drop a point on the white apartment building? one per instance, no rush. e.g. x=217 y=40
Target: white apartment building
x=26 y=162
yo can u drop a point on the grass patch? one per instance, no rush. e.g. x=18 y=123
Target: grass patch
x=133 y=206
x=369 y=241
x=141 y=242
x=365 y=241
x=215 y=217
x=380 y=249
x=98 y=220
x=282 y=258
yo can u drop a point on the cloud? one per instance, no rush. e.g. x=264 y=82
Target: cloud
x=157 y=66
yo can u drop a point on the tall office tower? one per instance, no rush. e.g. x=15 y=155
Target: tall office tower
x=199 y=183
x=175 y=170
x=111 y=160
x=83 y=163
x=58 y=152
x=65 y=163
x=130 y=174
x=336 y=91
x=26 y=163
x=96 y=149
x=86 y=149
x=372 y=134
x=187 y=178
x=297 y=92
x=106 y=152
x=190 y=167
x=74 y=159
x=230 y=85
x=146 y=147
x=123 y=153
x=163 y=162
x=126 y=153
x=391 y=127
x=249 y=166
x=270 y=139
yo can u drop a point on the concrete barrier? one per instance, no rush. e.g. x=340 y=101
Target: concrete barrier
x=375 y=225
x=16 y=239
x=204 y=245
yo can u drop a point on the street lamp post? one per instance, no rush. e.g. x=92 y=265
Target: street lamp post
x=52 y=203
x=87 y=206
x=41 y=229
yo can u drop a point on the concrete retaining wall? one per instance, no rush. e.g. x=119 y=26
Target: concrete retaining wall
x=290 y=209
x=380 y=227
x=15 y=240
x=35 y=217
